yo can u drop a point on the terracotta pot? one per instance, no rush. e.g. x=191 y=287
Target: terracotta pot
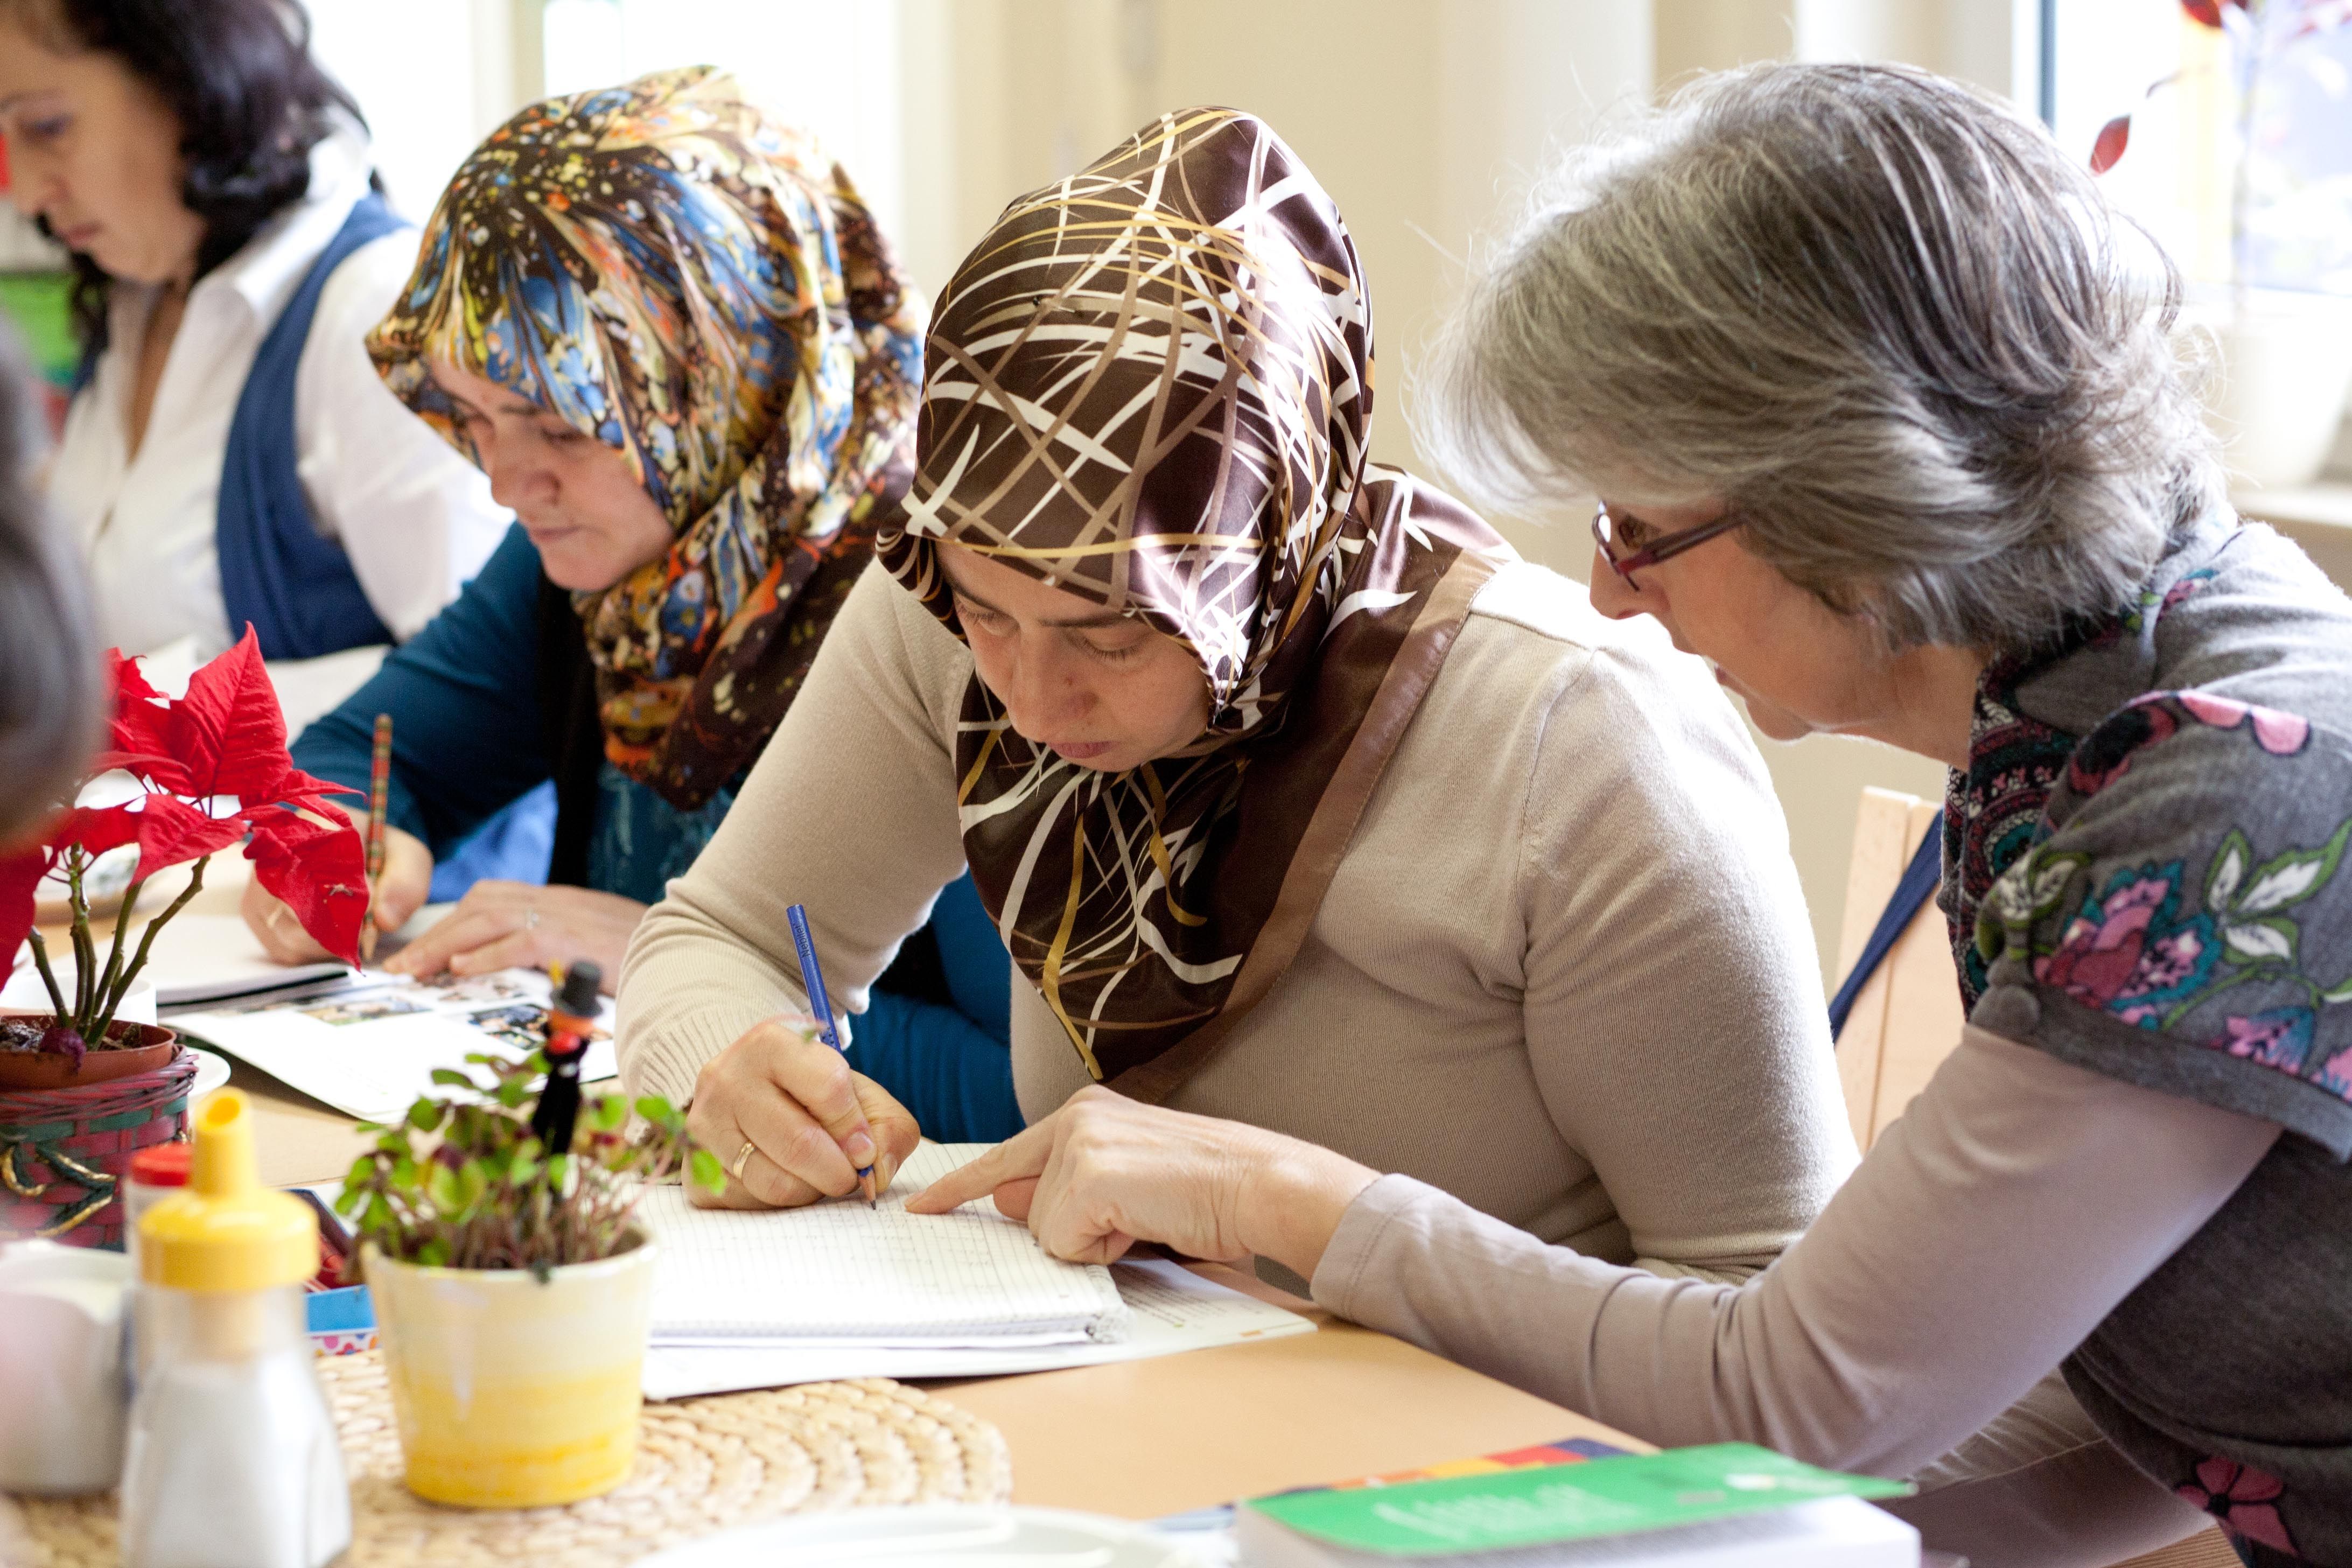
x=46 y=1069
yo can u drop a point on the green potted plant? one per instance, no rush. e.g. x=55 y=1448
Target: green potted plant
x=210 y=771
x=511 y=1281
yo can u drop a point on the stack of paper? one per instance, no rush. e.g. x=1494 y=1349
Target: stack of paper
x=198 y=958
x=760 y=1300
x=216 y=958
x=842 y=1273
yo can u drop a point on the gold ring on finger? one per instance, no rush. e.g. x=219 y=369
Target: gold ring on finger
x=743 y=1158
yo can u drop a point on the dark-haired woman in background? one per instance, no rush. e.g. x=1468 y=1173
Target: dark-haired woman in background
x=230 y=454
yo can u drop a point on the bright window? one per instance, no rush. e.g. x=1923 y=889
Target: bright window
x=417 y=82
x=830 y=67
x=2178 y=171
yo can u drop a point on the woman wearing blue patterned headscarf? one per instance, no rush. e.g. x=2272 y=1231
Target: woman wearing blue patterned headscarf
x=670 y=329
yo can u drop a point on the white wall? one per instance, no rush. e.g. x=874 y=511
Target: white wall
x=432 y=84
x=829 y=67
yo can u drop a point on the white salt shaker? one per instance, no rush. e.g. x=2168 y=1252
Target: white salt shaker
x=61 y=1383
x=234 y=1461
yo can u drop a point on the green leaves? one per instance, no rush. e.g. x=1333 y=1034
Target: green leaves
x=460 y=1181
x=2034 y=884
x=2245 y=900
x=2271 y=941
x=2228 y=873
x=2292 y=876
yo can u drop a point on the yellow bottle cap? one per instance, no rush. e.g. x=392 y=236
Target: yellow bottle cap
x=224 y=1230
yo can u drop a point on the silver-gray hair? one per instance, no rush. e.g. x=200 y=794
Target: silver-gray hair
x=1886 y=319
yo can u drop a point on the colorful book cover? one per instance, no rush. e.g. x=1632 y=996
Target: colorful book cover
x=1217 y=1518
x=1507 y=1506
x=1566 y=1451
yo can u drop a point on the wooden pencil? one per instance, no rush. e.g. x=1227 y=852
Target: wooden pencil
x=379 y=800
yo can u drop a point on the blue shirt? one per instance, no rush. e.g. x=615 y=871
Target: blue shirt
x=469 y=740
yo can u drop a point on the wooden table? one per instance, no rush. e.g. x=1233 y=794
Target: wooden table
x=1137 y=1439
x=1143 y=1439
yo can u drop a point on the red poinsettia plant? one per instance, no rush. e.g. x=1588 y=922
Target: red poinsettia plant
x=213 y=772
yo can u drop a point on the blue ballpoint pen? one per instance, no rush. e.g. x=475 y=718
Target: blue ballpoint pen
x=820 y=1003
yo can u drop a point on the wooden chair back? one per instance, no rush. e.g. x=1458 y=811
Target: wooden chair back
x=1907 y=1017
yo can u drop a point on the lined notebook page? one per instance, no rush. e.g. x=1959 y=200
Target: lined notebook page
x=841 y=1271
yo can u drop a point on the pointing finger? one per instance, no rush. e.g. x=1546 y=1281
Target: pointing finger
x=1022 y=1156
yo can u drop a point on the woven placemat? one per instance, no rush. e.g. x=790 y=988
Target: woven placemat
x=702 y=1464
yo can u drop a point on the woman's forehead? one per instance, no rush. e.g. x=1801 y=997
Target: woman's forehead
x=1019 y=590
x=485 y=394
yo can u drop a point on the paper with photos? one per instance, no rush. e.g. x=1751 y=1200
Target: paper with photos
x=368 y=1046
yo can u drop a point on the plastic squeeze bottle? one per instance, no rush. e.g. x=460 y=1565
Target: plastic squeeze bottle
x=233 y=1461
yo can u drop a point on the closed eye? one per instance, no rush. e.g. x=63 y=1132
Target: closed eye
x=996 y=623
x=1115 y=653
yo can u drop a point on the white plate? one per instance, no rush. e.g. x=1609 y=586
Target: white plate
x=212 y=1071
x=934 y=1532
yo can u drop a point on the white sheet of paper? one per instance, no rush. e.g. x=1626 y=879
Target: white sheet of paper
x=369 y=1048
x=844 y=1273
x=207 y=958
x=1171 y=1309
x=196 y=958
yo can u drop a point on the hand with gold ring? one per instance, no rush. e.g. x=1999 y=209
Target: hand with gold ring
x=780 y=1093
x=505 y=925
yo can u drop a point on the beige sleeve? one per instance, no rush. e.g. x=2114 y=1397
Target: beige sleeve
x=1672 y=1001
x=850 y=810
x=1990 y=1230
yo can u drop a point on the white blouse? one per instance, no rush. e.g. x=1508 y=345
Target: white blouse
x=417 y=517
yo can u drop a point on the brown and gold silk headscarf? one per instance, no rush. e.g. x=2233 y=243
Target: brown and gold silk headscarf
x=1150 y=385
x=683 y=278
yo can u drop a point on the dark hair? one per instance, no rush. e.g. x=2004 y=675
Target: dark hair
x=49 y=680
x=250 y=101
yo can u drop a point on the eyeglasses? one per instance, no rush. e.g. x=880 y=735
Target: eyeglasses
x=1609 y=534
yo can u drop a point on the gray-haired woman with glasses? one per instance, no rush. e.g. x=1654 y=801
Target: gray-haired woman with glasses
x=1880 y=341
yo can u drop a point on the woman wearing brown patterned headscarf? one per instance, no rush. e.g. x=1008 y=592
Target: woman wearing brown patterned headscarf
x=1297 y=797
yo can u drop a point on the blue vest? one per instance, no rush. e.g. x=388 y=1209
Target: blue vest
x=277 y=571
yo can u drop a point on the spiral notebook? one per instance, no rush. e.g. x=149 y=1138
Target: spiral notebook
x=840 y=1273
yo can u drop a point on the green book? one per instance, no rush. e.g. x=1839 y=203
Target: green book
x=1552 y=1504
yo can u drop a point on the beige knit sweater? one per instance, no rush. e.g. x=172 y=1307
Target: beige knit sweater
x=1564 y=973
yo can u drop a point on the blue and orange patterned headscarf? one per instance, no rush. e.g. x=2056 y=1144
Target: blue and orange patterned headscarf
x=677 y=276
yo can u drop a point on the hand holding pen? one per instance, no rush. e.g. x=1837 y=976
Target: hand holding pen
x=821 y=1004
x=791 y=1122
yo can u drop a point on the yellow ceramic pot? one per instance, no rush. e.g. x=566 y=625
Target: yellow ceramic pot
x=510 y=1391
